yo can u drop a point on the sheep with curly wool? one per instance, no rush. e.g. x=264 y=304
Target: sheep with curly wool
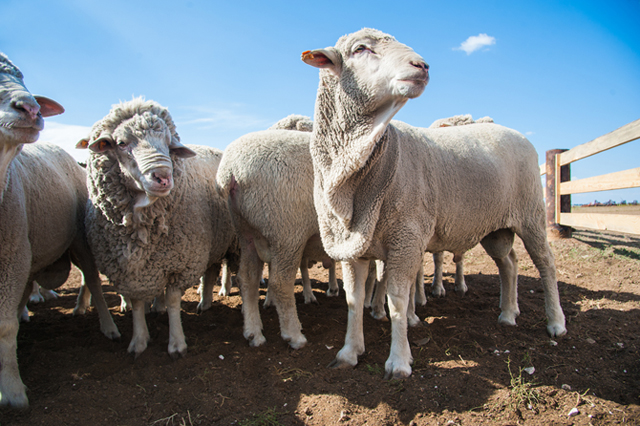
x=155 y=222
x=42 y=201
x=387 y=190
x=267 y=178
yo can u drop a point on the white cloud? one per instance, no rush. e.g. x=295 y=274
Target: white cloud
x=474 y=43
x=229 y=117
x=66 y=136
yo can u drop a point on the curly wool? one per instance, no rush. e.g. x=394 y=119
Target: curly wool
x=145 y=252
x=459 y=120
x=7 y=67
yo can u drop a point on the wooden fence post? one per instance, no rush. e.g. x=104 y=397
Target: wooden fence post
x=554 y=202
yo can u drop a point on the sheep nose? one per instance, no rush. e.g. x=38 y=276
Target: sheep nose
x=26 y=103
x=420 y=64
x=162 y=178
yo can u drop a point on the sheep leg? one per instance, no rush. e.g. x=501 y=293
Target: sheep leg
x=307 y=291
x=207 y=282
x=460 y=285
x=225 y=281
x=401 y=278
x=12 y=389
x=82 y=258
x=333 y=289
x=249 y=276
x=83 y=301
x=499 y=245
x=177 y=343
x=282 y=277
x=412 y=319
x=140 y=337
x=421 y=297
x=437 y=289
x=159 y=305
x=535 y=241
x=354 y=275
x=377 y=303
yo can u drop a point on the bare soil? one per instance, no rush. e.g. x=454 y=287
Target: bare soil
x=467 y=369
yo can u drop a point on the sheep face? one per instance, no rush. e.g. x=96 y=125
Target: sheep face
x=20 y=115
x=373 y=67
x=142 y=138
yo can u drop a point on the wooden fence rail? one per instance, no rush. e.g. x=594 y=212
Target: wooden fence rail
x=560 y=186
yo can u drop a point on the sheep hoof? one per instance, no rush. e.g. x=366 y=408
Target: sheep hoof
x=298 y=343
x=396 y=375
x=112 y=334
x=332 y=292
x=16 y=400
x=202 y=307
x=438 y=292
x=254 y=342
x=176 y=354
x=507 y=319
x=380 y=316
x=556 y=330
x=311 y=299
x=336 y=363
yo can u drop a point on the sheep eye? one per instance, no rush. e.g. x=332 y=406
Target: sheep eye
x=122 y=144
x=361 y=48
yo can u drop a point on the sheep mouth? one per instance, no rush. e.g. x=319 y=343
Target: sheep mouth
x=28 y=132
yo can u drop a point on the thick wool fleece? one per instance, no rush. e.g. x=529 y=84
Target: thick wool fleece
x=169 y=243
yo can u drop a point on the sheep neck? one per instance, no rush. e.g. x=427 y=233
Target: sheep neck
x=7 y=153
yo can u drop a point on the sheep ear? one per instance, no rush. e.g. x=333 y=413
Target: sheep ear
x=180 y=150
x=100 y=145
x=48 y=107
x=322 y=58
x=83 y=144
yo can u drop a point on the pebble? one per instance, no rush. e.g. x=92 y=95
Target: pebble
x=574 y=411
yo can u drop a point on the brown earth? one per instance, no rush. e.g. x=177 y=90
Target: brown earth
x=467 y=369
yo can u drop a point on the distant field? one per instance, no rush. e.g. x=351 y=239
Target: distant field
x=607 y=209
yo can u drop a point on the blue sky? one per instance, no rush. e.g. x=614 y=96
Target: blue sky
x=560 y=72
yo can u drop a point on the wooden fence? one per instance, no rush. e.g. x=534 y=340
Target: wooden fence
x=559 y=186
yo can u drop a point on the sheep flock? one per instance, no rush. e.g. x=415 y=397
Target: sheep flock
x=156 y=216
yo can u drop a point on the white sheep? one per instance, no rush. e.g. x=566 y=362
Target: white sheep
x=155 y=222
x=42 y=201
x=387 y=190
x=267 y=178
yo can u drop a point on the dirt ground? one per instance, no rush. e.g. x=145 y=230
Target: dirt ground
x=467 y=369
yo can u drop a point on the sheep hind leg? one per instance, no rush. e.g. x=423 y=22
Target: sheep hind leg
x=333 y=289
x=354 y=277
x=206 y=287
x=535 y=241
x=225 y=281
x=499 y=245
x=82 y=258
x=140 y=337
x=177 y=343
x=282 y=276
x=437 y=288
x=421 y=297
x=461 y=286
x=248 y=277
x=370 y=284
x=307 y=291
x=377 y=303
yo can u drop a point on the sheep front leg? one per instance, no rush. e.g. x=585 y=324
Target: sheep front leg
x=333 y=290
x=354 y=275
x=437 y=289
x=398 y=365
x=177 y=344
x=12 y=390
x=140 y=337
x=377 y=303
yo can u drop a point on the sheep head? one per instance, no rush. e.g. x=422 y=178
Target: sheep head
x=141 y=136
x=21 y=115
x=374 y=67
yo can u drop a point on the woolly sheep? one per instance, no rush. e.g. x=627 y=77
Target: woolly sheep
x=390 y=191
x=267 y=179
x=42 y=200
x=155 y=222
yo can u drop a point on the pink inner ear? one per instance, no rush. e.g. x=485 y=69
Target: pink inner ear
x=48 y=107
x=316 y=59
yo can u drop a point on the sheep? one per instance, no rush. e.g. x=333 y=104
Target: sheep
x=386 y=190
x=154 y=221
x=42 y=201
x=267 y=179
